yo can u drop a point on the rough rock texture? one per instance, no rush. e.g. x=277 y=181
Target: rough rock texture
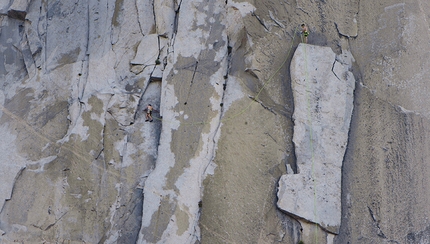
x=80 y=164
x=71 y=116
x=323 y=97
x=386 y=183
x=18 y=9
x=173 y=190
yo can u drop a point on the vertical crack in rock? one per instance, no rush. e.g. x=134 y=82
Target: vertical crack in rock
x=323 y=15
x=260 y=21
x=192 y=82
x=376 y=222
x=379 y=231
x=45 y=39
x=18 y=175
x=175 y=27
x=222 y=109
x=194 y=73
x=103 y=140
x=320 y=136
x=277 y=22
x=262 y=104
x=84 y=73
x=332 y=70
x=134 y=144
x=98 y=155
x=56 y=221
x=24 y=49
x=301 y=8
x=41 y=35
x=154 y=14
x=210 y=166
x=138 y=16
x=176 y=21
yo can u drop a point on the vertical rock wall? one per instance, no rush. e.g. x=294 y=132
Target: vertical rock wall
x=193 y=86
x=79 y=163
x=386 y=185
x=76 y=147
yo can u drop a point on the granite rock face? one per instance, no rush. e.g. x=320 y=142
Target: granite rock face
x=323 y=101
x=386 y=187
x=79 y=163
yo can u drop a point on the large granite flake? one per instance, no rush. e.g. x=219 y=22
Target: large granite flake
x=323 y=96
